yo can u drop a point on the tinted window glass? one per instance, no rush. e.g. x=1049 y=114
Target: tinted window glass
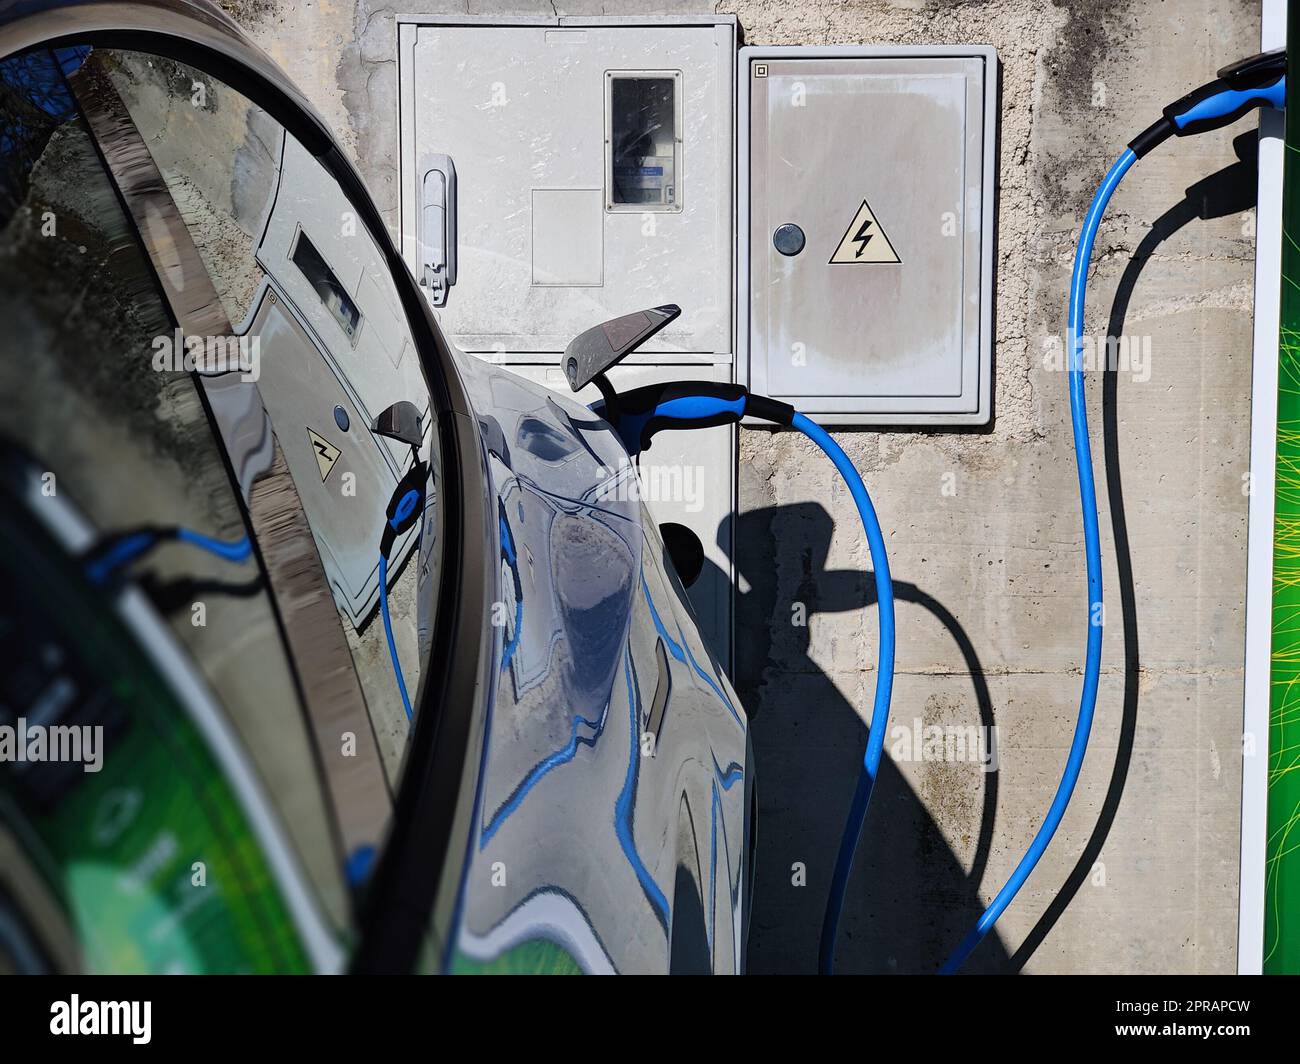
x=318 y=306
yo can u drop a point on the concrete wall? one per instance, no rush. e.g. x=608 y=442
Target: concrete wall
x=984 y=529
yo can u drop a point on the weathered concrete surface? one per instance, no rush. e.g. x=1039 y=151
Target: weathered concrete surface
x=984 y=530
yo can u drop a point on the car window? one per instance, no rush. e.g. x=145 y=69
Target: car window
x=301 y=283
x=200 y=719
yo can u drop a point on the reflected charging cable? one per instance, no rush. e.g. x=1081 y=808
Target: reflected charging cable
x=405 y=508
x=109 y=557
x=700 y=404
x=1255 y=82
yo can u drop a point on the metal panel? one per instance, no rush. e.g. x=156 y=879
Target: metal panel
x=1259 y=556
x=522 y=106
x=867 y=179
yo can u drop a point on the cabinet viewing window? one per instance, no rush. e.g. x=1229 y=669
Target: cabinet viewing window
x=643 y=141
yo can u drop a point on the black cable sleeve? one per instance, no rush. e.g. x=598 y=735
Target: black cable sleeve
x=769 y=409
x=1154 y=135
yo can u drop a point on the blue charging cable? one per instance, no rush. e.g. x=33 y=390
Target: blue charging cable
x=388 y=633
x=1255 y=82
x=105 y=560
x=643 y=412
x=1092 y=551
x=884 y=685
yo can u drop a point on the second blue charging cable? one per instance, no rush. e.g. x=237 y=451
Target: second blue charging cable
x=1092 y=552
x=1255 y=82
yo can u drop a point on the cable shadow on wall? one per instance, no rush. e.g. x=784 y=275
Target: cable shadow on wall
x=1230 y=191
x=909 y=898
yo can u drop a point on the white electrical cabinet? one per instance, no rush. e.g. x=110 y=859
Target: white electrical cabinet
x=823 y=217
x=559 y=172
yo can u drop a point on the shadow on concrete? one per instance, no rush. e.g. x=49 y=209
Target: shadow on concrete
x=909 y=899
x=1230 y=191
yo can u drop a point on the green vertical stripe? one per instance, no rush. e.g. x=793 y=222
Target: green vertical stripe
x=1282 y=853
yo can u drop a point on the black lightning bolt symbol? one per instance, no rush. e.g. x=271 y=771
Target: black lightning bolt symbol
x=863 y=237
x=323 y=448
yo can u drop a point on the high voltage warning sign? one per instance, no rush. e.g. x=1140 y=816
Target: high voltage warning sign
x=326 y=453
x=864 y=241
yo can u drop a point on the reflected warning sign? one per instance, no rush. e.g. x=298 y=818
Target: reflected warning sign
x=864 y=241
x=326 y=453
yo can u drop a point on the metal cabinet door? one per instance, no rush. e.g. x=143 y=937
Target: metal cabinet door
x=524 y=110
x=876 y=307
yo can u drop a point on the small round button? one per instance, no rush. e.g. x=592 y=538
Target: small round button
x=788 y=239
x=341 y=418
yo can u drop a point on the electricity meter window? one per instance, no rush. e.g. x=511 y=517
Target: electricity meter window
x=643 y=141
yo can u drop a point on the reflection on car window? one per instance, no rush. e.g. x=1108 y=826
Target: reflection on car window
x=194 y=504
x=218 y=154
x=319 y=307
x=333 y=295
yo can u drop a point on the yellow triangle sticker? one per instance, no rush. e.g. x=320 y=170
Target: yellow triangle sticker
x=864 y=241
x=326 y=453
